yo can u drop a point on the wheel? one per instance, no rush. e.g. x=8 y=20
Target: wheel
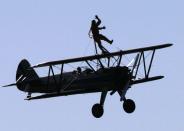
x=97 y=110
x=129 y=106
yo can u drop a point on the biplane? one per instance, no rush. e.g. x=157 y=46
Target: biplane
x=104 y=73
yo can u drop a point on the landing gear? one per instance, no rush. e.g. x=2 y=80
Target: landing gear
x=97 y=110
x=129 y=106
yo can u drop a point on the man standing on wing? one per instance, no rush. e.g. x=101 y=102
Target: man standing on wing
x=96 y=34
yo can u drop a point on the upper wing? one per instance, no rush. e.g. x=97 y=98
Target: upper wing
x=86 y=58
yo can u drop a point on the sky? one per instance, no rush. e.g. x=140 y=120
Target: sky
x=44 y=30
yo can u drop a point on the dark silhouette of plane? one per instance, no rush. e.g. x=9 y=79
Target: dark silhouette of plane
x=112 y=76
x=97 y=36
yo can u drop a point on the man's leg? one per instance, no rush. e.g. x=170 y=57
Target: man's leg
x=98 y=41
x=102 y=37
x=102 y=48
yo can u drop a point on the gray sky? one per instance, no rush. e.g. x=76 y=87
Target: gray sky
x=43 y=30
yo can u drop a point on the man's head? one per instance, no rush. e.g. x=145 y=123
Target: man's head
x=93 y=22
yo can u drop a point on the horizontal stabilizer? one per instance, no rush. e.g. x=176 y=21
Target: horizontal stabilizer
x=13 y=84
x=18 y=82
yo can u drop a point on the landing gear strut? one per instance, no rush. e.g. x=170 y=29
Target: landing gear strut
x=97 y=109
x=128 y=104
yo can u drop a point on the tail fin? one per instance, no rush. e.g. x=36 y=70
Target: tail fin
x=24 y=71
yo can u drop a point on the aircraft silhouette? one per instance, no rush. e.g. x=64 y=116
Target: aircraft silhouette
x=106 y=76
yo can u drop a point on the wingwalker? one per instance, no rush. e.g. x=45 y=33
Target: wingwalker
x=102 y=73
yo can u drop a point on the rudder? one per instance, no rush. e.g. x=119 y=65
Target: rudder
x=24 y=69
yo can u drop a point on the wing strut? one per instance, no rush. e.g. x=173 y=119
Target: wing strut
x=150 y=63
x=147 y=68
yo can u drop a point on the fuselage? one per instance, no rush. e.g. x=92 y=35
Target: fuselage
x=85 y=81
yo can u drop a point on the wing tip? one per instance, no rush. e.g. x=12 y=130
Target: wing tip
x=169 y=44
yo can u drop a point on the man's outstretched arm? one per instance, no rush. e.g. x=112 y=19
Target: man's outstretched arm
x=100 y=28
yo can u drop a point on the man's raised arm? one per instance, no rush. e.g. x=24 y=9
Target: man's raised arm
x=99 y=21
